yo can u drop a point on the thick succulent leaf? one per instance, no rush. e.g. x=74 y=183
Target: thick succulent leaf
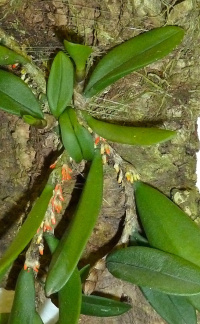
x=79 y=53
x=173 y=309
x=132 y=55
x=166 y=226
x=60 y=84
x=127 y=134
x=194 y=301
x=84 y=272
x=38 y=123
x=16 y=97
x=74 y=240
x=83 y=136
x=155 y=269
x=23 y=308
x=69 y=299
x=102 y=307
x=69 y=138
x=8 y=56
x=51 y=240
x=27 y=231
x=37 y=319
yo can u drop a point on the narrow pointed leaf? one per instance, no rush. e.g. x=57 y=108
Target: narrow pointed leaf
x=79 y=53
x=16 y=97
x=155 y=269
x=74 y=240
x=38 y=123
x=166 y=226
x=70 y=296
x=83 y=136
x=132 y=55
x=60 y=84
x=102 y=307
x=127 y=134
x=84 y=272
x=69 y=139
x=23 y=308
x=69 y=299
x=8 y=56
x=27 y=231
x=173 y=309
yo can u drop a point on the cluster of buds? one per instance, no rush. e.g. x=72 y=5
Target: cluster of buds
x=132 y=176
x=34 y=265
x=104 y=147
x=119 y=172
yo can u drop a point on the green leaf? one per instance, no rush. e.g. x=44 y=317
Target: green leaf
x=69 y=299
x=23 y=308
x=127 y=134
x=79 y=53
x=16 y=97
x=194 y=301
x=51 y=240
x=70 y=296
x=60 y=84
x=102 y=307
x=132 y=55
x=84 y=272
x=37 y=319
x=155 y=269
x=4 y=318
x=166 y=226
x=27 y=231
x=173 y=309
x=8 y=56
x=69 y=138
x=74 y=240
x=83 y=136
x=38 y=123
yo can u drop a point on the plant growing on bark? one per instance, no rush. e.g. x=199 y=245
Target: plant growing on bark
x=69 y=91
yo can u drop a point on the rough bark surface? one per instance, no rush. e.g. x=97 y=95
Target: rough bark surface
x=165 y=94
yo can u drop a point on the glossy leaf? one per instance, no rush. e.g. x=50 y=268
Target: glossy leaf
x=37 y=319
x=102 y=307
x=27 y=231
x=16 y=97
x=38 y=123
x=155 y=269
x=69 y=299
x=69 y=138
x=127 y=134
x=74 y=240
x=173 y=309
x=60 y=84
x=83 y=136
x=84 y=272
x=7 y=56
x=132 y=55
x=70 y=296
x=194 y=301
x=166 y=226
x=79 y=53
x=23 y=308
x=52 y=241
